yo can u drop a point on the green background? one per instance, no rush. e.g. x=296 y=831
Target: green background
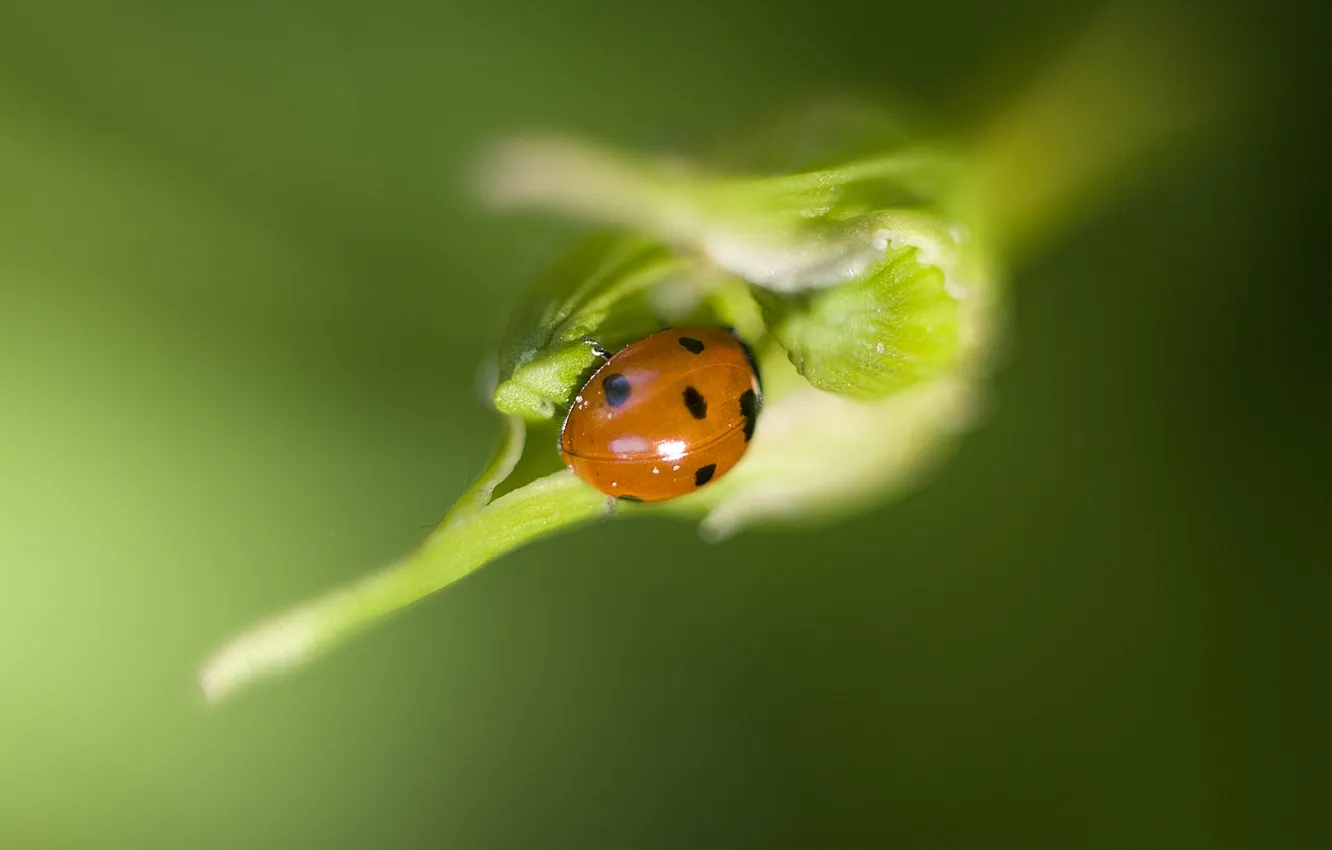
x=243 y=299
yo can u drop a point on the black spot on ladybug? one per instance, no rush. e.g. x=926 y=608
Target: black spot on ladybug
x=749 y=410
x=617 y=389
x=628 y=498
x=698 y=406
x=704 y=474
x=749 y=355
x=691 y=345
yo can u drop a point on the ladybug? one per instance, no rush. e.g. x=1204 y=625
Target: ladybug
x=664 y=416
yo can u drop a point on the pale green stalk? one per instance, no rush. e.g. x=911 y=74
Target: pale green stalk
x=457 y=548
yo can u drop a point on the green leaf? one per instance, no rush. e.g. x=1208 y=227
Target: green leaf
x=599 y=292
x=784 y=232
x=870 y=337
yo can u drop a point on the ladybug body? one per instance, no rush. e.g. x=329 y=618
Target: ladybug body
x=664 y=416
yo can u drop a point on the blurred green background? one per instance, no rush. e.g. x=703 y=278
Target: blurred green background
x=243 y=299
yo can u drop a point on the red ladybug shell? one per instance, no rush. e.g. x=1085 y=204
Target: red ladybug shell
x=664 y=416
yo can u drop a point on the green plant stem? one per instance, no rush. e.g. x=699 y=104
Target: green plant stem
x=458 y=547
x=506 y=458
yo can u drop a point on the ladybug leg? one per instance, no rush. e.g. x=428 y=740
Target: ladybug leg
x=596 y=348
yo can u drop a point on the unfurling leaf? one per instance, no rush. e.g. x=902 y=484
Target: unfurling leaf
x=599 y=292
x=862 y=279
x=869 y=337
